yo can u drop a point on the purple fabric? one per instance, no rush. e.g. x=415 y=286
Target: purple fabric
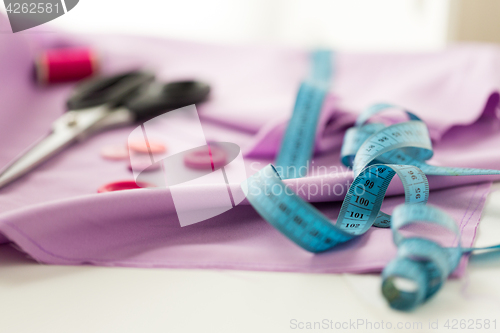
x=55 y=215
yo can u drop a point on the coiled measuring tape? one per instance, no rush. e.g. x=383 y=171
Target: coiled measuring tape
x=307 y=227
x=405 y=146
x=421 y=261
x=403 y=143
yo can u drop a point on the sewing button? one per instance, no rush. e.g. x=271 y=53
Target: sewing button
x=122 y=185
x=114 y=152
x=140 y=146
x=204 y=159
x=142 y=163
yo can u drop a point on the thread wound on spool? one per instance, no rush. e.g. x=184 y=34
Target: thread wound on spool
x=66 y=64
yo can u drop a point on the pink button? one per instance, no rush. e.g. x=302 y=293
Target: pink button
x=114 y=152
x=140 y=146
x=122 y=185
x=204 y=158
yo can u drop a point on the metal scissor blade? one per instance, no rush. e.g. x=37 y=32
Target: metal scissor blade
x=67 y=129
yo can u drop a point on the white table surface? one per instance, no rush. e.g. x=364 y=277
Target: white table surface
x=42 y=298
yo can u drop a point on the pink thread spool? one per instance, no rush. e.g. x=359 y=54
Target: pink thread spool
x=66 y=64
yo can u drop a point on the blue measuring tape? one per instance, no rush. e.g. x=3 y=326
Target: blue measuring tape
x=376 y=152
x=403 y=143
x=423 y=262
x=308 y=228
x=298 y=142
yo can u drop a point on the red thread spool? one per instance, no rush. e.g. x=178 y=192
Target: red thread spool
x=66 y=64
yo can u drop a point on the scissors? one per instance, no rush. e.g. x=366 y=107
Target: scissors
x=103 y=103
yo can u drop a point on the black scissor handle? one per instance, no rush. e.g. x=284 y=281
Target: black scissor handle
x=157 y=98
x=112 y=90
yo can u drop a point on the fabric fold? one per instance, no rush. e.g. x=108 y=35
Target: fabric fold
x=55 y=215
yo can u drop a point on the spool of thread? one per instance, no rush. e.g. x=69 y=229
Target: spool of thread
x=66 y=64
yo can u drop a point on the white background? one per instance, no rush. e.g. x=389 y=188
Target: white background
x=345 y=24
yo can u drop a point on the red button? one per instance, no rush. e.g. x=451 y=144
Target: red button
x=122 y=185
